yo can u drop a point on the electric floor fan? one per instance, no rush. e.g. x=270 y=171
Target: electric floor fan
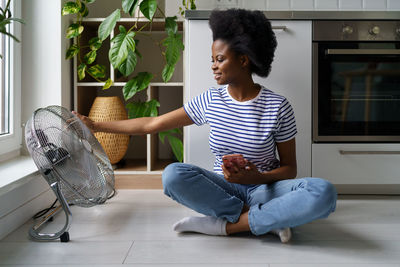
x=72 y=162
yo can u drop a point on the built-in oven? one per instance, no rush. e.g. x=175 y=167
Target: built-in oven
x=356 y=81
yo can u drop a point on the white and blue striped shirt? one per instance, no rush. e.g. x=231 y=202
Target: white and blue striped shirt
x=251 y=128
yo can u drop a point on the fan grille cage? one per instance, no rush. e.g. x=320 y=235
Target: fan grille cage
x=63 y=148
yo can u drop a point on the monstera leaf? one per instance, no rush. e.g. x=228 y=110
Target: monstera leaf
x=148 y=8
x=143 y=109
x=137 y=84
x=128 y=66
x=175 y=143
x=174 y=47
x=129 y=6
x=171 y=27
x=120 y=47
x=108 y=25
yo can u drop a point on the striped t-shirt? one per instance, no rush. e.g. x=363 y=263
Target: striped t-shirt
x=251 y=128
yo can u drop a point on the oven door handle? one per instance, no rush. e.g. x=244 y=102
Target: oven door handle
x=347 y=152
x=362 y=51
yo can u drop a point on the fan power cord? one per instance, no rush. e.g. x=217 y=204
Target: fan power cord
x=44 y=211
x=53 y=206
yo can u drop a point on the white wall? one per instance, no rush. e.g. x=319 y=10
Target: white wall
x=172 y=6
x=45 y=73
x=46 y=80
x=378 y=5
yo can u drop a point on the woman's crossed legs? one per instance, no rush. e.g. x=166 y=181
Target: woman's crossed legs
x=232 y=208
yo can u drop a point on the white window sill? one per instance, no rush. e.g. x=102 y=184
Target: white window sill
x=15 y=172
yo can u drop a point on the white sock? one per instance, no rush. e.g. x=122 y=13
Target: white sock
x=284 y=234
x=206 y=225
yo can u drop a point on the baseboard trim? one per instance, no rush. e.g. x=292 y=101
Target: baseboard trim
x=17 y=217
x=368 y=189
x=137 y=181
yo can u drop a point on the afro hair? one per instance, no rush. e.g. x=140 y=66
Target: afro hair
x=247 y=33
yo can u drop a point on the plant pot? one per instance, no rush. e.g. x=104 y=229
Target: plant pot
x=110 y=109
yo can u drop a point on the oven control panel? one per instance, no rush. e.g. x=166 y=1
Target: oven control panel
x=356 y=30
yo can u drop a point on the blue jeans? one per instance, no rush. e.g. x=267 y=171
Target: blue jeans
x=282 y=204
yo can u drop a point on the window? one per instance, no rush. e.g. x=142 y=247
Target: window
x=5 y=88
x=10 y=86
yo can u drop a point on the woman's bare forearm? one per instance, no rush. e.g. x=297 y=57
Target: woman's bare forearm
x=146 y=125
x=136 y=126
x=288 y=163
x=281 y=173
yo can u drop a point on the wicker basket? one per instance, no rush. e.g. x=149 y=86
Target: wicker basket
x=110 y=109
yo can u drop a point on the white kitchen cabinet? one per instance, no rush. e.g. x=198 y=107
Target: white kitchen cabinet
x=290 y=76
x=197 y=79
x=358 y=168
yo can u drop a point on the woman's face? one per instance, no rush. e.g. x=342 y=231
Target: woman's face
x=227 y=66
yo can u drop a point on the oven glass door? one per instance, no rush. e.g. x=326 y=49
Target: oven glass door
x=358 y=91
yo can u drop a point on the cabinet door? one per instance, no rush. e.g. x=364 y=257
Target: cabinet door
x=290 y=76
x=357 y=164
x=197 y=79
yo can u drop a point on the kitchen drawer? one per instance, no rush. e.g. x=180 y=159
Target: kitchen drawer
x=380 y=168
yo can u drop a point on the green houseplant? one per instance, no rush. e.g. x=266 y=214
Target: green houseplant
x=6 y=19
x=124 y=55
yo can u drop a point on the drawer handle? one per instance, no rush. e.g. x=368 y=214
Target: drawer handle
x=346 y=152
x=279 y=28
x=362 y=51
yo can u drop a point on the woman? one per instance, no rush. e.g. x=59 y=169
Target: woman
x=245 y=118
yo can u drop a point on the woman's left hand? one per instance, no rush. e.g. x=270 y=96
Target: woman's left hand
x=247 y=175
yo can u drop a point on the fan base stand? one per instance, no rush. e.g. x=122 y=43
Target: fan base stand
x=64 y=237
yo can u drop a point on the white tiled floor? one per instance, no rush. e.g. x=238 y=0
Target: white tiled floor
x=134 y=229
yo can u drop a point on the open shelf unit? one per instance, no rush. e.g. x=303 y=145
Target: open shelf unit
x=146 y=156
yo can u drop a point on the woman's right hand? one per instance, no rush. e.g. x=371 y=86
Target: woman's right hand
x=88 y=122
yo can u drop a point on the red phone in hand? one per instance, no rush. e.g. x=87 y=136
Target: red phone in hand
x=236 y=158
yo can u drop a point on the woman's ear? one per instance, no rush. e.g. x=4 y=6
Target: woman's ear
x=244 y=61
